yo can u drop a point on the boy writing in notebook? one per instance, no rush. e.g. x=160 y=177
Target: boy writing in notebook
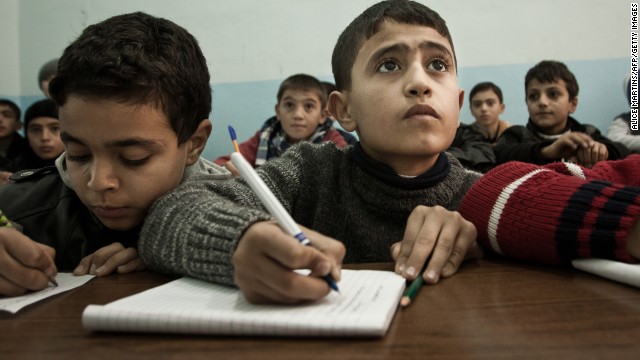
x=392 y=196
x=134 y=121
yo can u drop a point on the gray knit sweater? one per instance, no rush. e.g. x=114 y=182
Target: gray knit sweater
x=194 y=229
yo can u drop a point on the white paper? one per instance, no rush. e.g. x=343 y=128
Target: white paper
x=613 y=270
x=66 y=282
x=365 y=306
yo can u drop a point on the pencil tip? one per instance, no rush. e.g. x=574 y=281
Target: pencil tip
x=405 y=301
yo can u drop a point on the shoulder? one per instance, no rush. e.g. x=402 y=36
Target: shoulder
x=33 y=191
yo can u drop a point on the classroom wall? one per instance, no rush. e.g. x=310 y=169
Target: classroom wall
x=252 y=45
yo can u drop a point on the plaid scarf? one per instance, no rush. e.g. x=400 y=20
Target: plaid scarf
x=273 y=139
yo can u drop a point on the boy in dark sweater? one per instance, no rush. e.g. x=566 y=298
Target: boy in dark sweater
x=391 y=197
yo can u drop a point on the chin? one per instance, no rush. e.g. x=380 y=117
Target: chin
x=119 y=225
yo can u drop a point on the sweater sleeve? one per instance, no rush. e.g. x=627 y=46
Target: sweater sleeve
x=194 y=229
x=517 y=144
x=553 y=214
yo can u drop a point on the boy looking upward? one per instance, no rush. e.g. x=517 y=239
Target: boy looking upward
x=486 y=104
x=134 y=121
x=551 y=133
x=392 y=196
x=300 y=116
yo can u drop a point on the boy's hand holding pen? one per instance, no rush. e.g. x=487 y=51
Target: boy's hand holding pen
x=25 y=265
x=267 y=252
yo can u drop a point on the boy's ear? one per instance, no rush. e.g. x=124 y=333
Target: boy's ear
x=339 y=107
x=460 y=101
x=198 y=141
x=573 y=105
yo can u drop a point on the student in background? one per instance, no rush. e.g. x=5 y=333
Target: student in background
x=132 y=131
x=300 y=116
x=551 y=133
x=486 y=104
x=42 y=128
x=391 y=197
x=620 y=129
x=13 y=147
x=46 y=74
x=471 y=149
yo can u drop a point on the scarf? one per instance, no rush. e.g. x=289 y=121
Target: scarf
x=273 y=139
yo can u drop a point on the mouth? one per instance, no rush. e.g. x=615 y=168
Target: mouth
x=421 y=112
x=110 y=212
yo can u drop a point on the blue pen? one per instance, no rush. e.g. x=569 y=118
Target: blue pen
x=269 y=200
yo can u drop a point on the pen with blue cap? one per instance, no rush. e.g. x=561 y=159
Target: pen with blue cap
x=269 y=200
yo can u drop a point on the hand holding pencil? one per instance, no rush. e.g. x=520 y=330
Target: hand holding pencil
x=436 y=242
x=268 y=253
x=25 y=265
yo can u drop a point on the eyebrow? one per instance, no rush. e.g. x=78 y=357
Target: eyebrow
x=311 y=98
x=66 y=137
x=425 y=45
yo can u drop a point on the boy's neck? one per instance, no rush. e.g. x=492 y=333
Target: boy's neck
x=382 y=171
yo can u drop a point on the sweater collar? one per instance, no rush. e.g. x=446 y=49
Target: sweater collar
x=385 y=173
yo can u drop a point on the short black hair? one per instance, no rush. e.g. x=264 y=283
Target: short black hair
x=548 y=71
x=303 y=82
x=47 y=71
x=14 y=107
x=483 y=86
x=137 y=58
x=367 y=24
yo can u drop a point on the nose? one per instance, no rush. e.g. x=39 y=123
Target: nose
x=299 y=112
x=102 y=177
x=543 y=101
x=418 y=81
x=47 y=135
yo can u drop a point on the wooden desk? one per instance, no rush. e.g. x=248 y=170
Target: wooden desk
x=492 y=309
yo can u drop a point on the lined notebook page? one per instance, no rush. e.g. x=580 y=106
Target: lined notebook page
x=365 y=307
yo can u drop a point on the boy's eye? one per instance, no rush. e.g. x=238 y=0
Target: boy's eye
x=554 y=95
x=438 y=65
x=532 y=96
x=77 y=158
x=288 y=105
x=136 y=162
x=388 y=66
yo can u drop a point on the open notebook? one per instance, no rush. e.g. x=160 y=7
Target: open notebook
x=366 y=304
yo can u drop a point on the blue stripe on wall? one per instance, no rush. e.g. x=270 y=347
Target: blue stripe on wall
x=247 y=105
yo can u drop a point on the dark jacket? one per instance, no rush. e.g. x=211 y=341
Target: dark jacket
x=16 y=154
x=52 y=214
x=471 y=149
x=520 y=143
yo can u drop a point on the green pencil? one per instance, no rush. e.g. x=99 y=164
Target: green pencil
x=412 y=290
x=4 y=221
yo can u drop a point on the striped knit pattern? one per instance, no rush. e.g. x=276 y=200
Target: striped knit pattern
x=555 y=213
